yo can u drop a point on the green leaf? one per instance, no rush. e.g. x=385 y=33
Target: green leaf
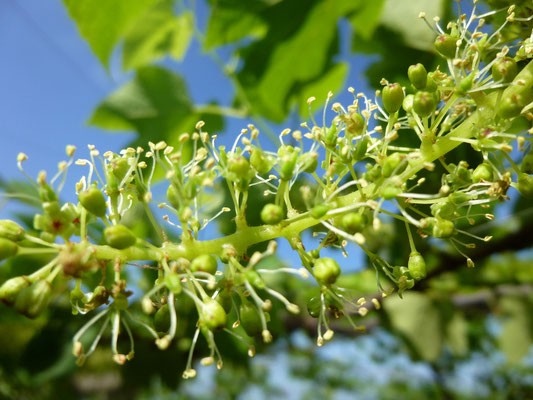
x=157 y=33
x=457 y=334
x=104 y=23
x=418 y=320
x=401 y=16
x=231 y=21
x=366 y=18
x=333 y=80
x=297 y=51
x=155 y=104
x=516 y=337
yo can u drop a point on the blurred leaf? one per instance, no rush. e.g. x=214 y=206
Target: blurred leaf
x=416 y=318
x=401 y=16
x=457 y=334
x=366 y=19
x=297 y=51
x=104 y=23
x=332 y=80
x=157 y=33
x=233 y=20
x=154 y=104
x=516 y=337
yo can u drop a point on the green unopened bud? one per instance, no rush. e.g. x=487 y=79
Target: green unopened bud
x=173 y=197
x=326 y=270
x=407 y=103
x=443 y=228
x=392 y=97
x=204 y=263
x=309 y=162
x=173 y=283
x=288 y=156
x=254 y=278
x=212 y=315
x=483 y=172
x=11 y=230
x=260 y=162
x=504 y=70
x=227 y=252
x=8 y=248
x=319 y=210
x=424 y=103
x=356 y=124
x=272 y=214
x=240 y=166
x=527 y=163
x=391 y=163
x=119 y=237
x=11 y=288
x=525 y=185
x=389 y=192
x=33 y=299
x=314 y=306
x=417 y=265
x=353 y=222
x=443 y=210
x=446 y=45
x=250 y=319
x=418 y=76
x=511 y=105
x=93 y=200
x=330 y=135
x=120 y=167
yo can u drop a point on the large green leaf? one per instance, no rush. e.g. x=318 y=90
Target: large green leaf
x=157 y=33
x=233 y=20
x=517 y=333
x=418 y=320
x=297 y=52
x=104 y=23
x=367 y=17
x=155 y=104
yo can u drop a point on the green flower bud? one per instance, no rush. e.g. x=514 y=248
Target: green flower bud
x=254 y=278
x=172 y=282
x=314 y=305
x=11 y=288
x=93 y=200
x=416 y=265
x=272 y=214
x=51 y=208
x=407 y=103
x=330 y=135
x=360 y=149
x=466 y=83
x=353 y=222
x=119 y=237
x=504 y=70
x=204 y=263
x=162 y=319
x=319 y=210
x=288 y=156
x=418 y=76
x=443 y=210
x=511 y=105
x=190 y=189
x=8 y=248
x=119 y=168
x=424 y=103
x=33 y=300
x=227 y=252
x=250 y=319
x=525 y=185
x=389 y=192
x=240 y=166
x=173 y=197
x=11 y=230
x=442 y=228
x=483 y=172
x=212 y=315
x=391 y=163
x=260 y=162
x=446 y=45
x=392 y=97
x=356 y=124
x=309 y=162
x=326 y=270
x=527 y=163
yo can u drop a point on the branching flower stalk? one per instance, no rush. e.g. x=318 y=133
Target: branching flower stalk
x=351 y=170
